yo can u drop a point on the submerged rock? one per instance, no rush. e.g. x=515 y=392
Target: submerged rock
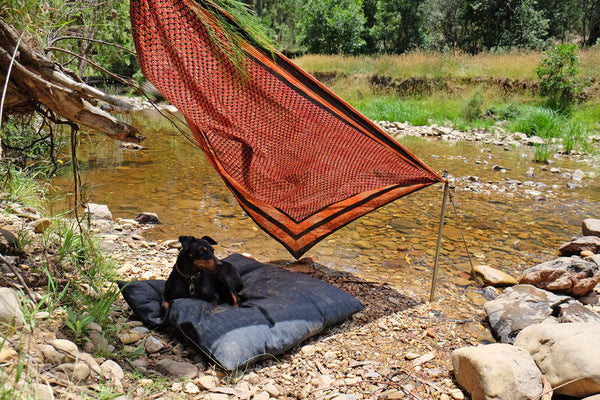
x=569 y=275
x=497 y=371
x=566 y=354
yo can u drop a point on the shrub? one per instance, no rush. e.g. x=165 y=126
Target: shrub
x=558 y=76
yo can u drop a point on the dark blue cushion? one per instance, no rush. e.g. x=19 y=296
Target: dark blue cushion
x=279 y=310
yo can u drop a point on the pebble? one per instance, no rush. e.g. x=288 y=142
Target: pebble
x=111 y=370
x=207 y=382
x=7 y=355
x=190 y=388
x=457 y=394
x=177 y=369
x=261 y=396
x=153 y=345
x=65 y=347
x=131 y=336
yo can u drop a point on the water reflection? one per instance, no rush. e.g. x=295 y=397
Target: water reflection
x=510 y=230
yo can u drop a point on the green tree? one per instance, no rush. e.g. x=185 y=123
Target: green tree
x=442 y=26
x=398 y=26
x=332 y=26
x=492 y=24
x=280 y=18
x=563 y=16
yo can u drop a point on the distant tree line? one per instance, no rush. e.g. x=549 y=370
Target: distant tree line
x=397 y=26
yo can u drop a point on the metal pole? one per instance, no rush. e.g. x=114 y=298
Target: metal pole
x=439 y=243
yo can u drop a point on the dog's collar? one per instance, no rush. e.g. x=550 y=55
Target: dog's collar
x=190 y=276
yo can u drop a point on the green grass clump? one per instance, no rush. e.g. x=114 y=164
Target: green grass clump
x=539 y=121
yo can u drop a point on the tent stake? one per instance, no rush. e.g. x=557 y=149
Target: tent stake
x=439 y=243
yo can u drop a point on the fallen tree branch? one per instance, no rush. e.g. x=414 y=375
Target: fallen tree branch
x=36 y=79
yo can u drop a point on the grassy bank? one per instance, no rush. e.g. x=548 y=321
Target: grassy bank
x=514 y=64
x=464 y=91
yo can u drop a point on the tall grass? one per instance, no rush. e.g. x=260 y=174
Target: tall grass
x=512 y=64
x=467 y=98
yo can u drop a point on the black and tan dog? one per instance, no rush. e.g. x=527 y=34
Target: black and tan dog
x=198 y=273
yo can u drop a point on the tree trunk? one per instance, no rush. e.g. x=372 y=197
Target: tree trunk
x=34 y=80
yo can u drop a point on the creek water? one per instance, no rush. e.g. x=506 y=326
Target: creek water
x=506 y=224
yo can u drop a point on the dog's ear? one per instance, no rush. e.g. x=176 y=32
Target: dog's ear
x=209 y=239
x=185 y=241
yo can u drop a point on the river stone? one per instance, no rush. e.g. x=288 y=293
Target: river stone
x=497 y=371
x=130 y=336
x=10 y=309
x=569 y=275
x=8 y=242
x=578 y=175
x=147 y=218
x=111 y=370
x=518 y=307
x=90 y=362
x=153 y=345
x=75 y=371
x=564 y=353
x=575 y=247
x=40 y=225
x=177 y=369
x=591 y=227
x=98 y=211
x=574 y=311
x=494 y=277
x=67 y=348
x=42 y=391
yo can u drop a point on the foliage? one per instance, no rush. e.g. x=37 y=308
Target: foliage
x=278 y=18
x=332 y=26
x=494 y=25
x=473 y=108
x=539 y=121
x=86 y=28
x=557 y=73
x=397 y=27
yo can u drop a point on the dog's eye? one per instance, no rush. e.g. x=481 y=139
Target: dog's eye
x=204 y=249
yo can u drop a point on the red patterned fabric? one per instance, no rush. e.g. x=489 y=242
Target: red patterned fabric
x=300 y=161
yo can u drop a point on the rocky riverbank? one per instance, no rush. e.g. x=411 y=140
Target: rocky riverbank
x=399 y=346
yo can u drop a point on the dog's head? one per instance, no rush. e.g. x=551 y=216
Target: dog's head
x=196 y=255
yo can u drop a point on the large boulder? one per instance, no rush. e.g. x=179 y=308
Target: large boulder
x=567 y=354
x=574 y=276
x=523 y=305
x=497 y=371
x=590 y=227
x=576 y=246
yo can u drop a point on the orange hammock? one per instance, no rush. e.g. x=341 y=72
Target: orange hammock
x=300 y=161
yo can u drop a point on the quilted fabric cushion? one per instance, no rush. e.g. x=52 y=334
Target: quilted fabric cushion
x=279 y=310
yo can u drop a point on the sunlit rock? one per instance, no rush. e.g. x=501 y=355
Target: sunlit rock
x=518 y=307
x=567 y=354
x=497 y=371
x=494 y=277
x=575 y=247
x=591 y=227
x=569 y=275
x=98 y=211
